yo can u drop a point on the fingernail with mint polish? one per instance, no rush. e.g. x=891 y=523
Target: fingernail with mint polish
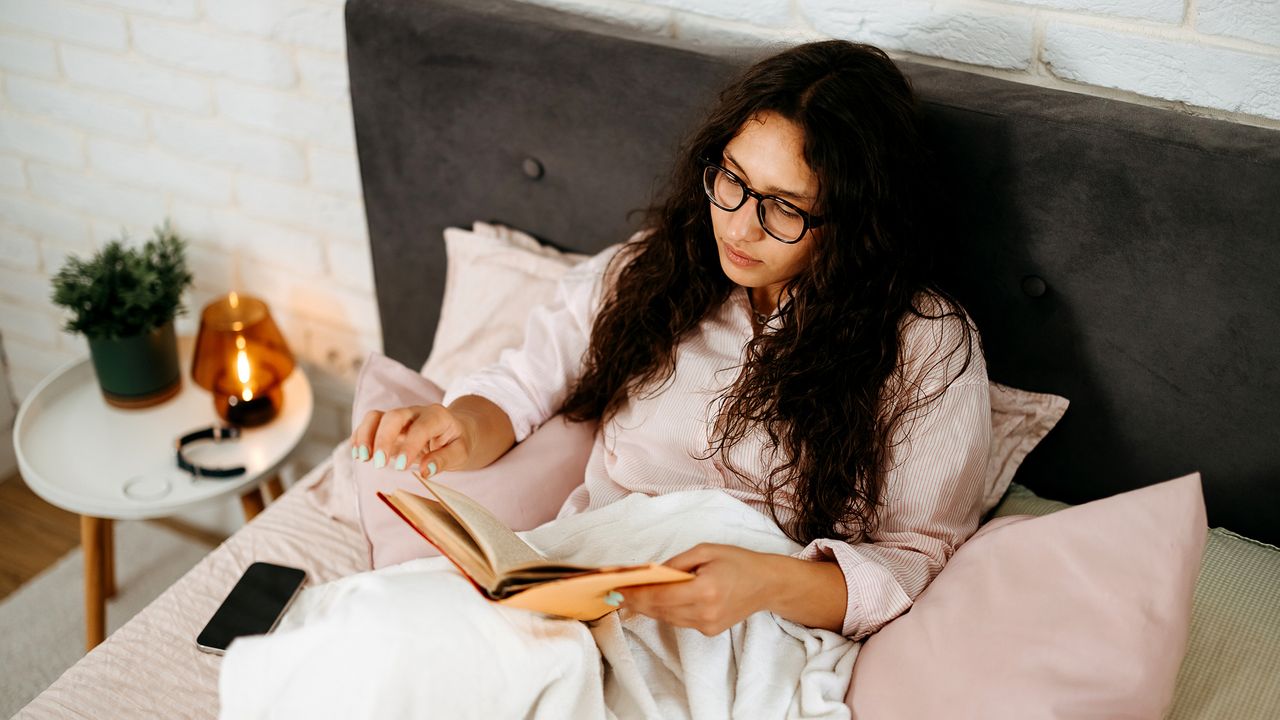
x=401 y=461
x=431 y=468
x=379 y=459
x=613 y=599
x=364 y=453
x=354 y=453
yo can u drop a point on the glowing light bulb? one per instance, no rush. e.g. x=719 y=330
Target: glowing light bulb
x=242 y=369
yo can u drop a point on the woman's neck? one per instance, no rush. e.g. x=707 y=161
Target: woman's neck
x=764 y=300
x=762 y=307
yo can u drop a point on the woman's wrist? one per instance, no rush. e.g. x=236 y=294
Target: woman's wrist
x=807 y=592
x=484 y=429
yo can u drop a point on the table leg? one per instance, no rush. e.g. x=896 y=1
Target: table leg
x=252 y=503
x=276 y=488
x=95 y=614
x=108 y=558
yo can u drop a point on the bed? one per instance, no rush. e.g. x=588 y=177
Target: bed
x=1118 y=255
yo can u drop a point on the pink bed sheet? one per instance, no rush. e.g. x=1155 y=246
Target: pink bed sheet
x=150 y=667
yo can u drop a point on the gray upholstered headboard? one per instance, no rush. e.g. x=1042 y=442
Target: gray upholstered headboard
x=1125 y=257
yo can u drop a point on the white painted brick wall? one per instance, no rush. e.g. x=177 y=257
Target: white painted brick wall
x=323 y=74
x=73 y=21
x=253 y=240
x=335 y=171
x=33 y=138
x=12 y=176
x=33 y=326
x=218 y=142
x=766 y=13
x=94 y=109
x=159 y=170
x=94 y=193
x=45 y=219
x=1162 y=11
x=958 y=32
x=310 y=23
x=232 y=117
x=184 y=9
x=19 y=249
x=201 y=50
x=1240 y=81
x=341 y=217
x=1257 y=20
x=286 y=114
x=30 y=55
x=135 y=77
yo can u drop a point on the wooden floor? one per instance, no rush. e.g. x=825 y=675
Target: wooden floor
x=35 y=534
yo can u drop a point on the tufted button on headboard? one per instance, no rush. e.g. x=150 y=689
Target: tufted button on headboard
x=1034 y=286
x=532 y=168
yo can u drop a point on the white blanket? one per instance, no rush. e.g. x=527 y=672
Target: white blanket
x=416 y=640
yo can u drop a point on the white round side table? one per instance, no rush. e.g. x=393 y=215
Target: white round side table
x=105 y=463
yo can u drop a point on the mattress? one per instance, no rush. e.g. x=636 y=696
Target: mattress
x=150 y=667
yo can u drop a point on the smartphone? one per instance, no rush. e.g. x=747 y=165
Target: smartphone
x=253 y=607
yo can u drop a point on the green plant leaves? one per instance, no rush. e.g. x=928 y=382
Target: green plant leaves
x=124 y=291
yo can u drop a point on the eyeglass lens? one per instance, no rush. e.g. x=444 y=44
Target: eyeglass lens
x=728 y=193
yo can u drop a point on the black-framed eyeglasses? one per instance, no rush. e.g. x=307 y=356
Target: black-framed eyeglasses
x=782 y=220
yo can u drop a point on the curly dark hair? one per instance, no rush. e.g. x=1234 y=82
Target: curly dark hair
x=826 y=385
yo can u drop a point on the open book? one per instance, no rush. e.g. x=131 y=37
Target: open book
x=508 y=570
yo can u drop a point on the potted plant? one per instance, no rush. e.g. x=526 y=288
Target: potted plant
x=124 y=300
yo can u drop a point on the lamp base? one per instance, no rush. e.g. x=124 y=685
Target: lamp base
x=259 y=410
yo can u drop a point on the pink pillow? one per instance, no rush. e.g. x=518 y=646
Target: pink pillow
x=1080 y=614
x=524 y=488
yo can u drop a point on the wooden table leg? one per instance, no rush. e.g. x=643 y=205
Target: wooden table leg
x=108 y=558
x=95 y=614
x=252 y=503
x=276 y=488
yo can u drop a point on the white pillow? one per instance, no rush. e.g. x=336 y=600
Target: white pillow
x=497 y=274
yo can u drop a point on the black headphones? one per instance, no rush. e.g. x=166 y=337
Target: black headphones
x=216 y=434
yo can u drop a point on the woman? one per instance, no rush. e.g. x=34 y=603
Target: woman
x=775 y=334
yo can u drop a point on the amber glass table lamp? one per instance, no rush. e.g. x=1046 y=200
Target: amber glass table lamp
x=242 y=359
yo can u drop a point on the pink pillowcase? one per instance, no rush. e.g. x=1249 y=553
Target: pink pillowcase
x=524 y=488
x=1083 y=613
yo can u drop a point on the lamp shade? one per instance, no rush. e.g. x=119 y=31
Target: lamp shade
x=241 y=358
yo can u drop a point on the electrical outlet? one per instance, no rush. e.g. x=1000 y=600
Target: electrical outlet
x=343 y=362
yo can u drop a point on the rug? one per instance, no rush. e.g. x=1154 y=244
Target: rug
x=42 y=622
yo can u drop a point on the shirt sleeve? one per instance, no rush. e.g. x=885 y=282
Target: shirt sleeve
x=933 y=494
x=531 y=383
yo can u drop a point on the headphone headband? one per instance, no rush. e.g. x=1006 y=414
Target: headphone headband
x=216 y=434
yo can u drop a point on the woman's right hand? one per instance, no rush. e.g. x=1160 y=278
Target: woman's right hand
x=433 y=437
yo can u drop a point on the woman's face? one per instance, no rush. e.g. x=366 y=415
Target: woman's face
x=768 y=155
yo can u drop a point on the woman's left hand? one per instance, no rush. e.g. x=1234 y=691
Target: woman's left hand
x=730 y=584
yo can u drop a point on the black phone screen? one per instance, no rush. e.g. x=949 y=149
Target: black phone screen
x=253 y=606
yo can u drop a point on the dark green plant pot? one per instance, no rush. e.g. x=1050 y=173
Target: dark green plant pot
x=138 y=371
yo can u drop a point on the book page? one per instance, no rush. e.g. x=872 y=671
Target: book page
x=435 y=523
x=503 y=548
